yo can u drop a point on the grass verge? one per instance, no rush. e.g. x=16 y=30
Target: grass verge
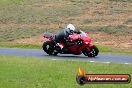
x=18 y=45
x=115 y=30
x=108 y=49
x=25 y=72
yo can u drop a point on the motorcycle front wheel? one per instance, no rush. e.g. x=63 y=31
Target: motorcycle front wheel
x=49 y=48
x=92 y=53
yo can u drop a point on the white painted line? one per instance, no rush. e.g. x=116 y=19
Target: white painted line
x=73 y=60
x=107 y=62
x=53 y=59
x=126 y=63
x=91 y=61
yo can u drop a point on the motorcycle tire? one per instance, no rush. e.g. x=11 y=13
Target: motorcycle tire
x=49 y=48
x=93 y=51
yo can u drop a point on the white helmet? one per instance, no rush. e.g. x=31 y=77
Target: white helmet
x=70 y=27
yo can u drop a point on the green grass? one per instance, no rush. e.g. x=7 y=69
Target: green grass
x=112 y=50
x=19 y=33
x=121 y=0
x=19 y=45
x=115 y=30
x=9 y=2
x=129 y=20
x=40 y=11
x=89 y=20
x=25 y=72
x=30 y=12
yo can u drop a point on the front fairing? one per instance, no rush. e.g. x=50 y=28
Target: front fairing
x=74 y=37
x=86 y=40
x=77 y=49
x=83 y=36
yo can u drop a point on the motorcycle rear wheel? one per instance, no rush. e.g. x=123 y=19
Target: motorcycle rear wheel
x=49 y=48
x=93 y=51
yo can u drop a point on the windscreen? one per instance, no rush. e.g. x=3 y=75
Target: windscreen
x=48 y=35
x=83 y=34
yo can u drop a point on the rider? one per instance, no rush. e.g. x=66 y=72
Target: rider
x=62 y=36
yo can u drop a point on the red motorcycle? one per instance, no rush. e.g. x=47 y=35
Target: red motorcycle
x=82 y=45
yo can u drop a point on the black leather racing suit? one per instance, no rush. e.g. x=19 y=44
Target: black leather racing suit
x=62 y=36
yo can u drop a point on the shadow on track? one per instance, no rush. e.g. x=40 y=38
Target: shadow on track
x=69 y=56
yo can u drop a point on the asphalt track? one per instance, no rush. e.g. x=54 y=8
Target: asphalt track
x=105 y=58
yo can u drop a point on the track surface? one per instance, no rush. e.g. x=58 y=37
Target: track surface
x=40 y=54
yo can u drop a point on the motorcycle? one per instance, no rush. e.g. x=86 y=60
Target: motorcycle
x=82 y=45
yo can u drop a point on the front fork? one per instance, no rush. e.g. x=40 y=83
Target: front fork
x=89 y=46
